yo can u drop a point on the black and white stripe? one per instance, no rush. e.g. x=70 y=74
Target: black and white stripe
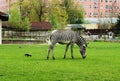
x=68 y=37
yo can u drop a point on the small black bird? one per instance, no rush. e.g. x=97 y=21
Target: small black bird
x=28 y=55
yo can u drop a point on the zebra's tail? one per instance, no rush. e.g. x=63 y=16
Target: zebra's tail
x=48 y=40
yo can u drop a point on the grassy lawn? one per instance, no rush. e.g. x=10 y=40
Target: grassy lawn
x=102 y=63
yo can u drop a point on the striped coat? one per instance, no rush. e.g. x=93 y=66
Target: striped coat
x=68 y=37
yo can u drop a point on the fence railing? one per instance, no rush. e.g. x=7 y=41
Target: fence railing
x=25 y=37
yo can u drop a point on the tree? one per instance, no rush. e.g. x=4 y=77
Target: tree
x=58 y=15
x=117 y=27
x=40 y=9
x=17 y=21
x=75 y=13
x=26 y=24
x=15 y=17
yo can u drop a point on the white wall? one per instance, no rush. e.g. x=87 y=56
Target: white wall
x=0 y=32
x=101 y=20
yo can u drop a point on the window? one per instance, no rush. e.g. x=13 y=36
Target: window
x=95 y=7
x=85 y=13
x=107 y=7
x=106 y=0
x=90 y=13
x=110 y=0
x=95 y=13
x=95 y=0
x=110 y=7
x=101 y=13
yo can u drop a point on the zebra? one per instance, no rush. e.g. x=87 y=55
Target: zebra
x=68 y=37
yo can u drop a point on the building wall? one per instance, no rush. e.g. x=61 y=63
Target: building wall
x=100 y=8
x=4 y=5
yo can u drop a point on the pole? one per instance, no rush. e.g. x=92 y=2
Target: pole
x=0 y=32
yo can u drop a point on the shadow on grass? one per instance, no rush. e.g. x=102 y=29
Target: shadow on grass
x=50 y=59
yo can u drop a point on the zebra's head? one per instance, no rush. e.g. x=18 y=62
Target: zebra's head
x=83 y=50
x=81 y=42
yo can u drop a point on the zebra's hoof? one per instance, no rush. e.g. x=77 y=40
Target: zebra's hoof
x=64 y=57
x=72 y=57
x=53 y=58
x=47 y=58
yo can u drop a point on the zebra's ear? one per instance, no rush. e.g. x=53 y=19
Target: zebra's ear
x=84 y=45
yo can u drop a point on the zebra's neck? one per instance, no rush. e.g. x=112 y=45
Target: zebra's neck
x=80 y=41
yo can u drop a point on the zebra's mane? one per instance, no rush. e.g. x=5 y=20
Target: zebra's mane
x=81 y=41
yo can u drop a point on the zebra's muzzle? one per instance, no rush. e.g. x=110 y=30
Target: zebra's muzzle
x=84 y=56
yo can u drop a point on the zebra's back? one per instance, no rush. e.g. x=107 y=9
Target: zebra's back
x=63 y=36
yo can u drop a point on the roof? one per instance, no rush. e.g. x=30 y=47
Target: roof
x=75 y=26
x=40 y=26
x=34 y=26
x=90 y=26
x=3 y=16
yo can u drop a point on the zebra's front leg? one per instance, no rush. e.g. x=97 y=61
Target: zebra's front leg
x=53 y=53
x=67 y=46
x=72 y=45
x=48 y=52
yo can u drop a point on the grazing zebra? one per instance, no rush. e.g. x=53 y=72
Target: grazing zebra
x=68 y=37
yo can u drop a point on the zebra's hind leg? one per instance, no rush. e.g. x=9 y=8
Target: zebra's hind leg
x=72 y=45
x=67 y=46
x=50 y=48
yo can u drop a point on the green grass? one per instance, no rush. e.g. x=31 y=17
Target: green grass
x=102 y=63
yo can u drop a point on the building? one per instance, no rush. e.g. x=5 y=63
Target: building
x=3 y=17
x=4 y=6
x=100 y=8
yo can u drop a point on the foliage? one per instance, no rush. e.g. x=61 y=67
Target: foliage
x=58 y=16
x=53 y=21
x=75 y=13
x=40 y=9
x=17 y=21
x=117 y=27
x=26 y=24
x=15 y=17
x=33 y=16
x=102 y=63
x=59 y=13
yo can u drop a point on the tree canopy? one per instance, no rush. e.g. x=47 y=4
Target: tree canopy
x=57 y=12
x=58 y=15
x=74 y=11
x=117 y=27
x=17 y=21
